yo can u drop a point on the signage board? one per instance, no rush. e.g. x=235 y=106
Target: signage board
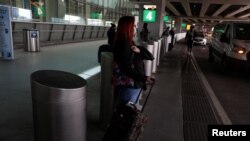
x=149 y=13
x=166 y=19
x=183 y=25
x=6 y=42
x=38 y=8
x=188 y=27
x=149 y=16
x=96 y=15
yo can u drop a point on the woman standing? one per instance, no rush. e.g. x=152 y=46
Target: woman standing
x=144 y=33
x=111 y=34
x=127 y=57
x=190 y=36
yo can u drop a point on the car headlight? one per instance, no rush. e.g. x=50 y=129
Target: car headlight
x=239 y=50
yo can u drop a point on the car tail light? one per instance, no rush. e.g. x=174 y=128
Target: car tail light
x=239 y=50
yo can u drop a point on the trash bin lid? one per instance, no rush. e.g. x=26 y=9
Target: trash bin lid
x=58 y=79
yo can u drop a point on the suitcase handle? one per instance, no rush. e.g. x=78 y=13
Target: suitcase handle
x=146 y=100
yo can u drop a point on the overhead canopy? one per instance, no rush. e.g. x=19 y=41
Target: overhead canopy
x=206 y=11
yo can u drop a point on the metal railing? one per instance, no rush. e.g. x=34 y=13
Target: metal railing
x=54 y=33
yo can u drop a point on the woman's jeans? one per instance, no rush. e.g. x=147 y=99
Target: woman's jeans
x=129 y=94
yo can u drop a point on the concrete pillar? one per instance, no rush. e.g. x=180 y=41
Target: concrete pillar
x=54 y=9
x=19 y=4
x=87 y=13
x=156 y=28
x=160 y=14
x=61 y=9
x=51 y=9
x=178 y=22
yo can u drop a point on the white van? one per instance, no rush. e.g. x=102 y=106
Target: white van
x=230 y=43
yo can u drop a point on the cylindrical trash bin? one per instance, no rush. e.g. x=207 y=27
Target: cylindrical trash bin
x=159 y=52
x=107 y=90
x=165 y=44
x=59 y=106
x=155 y=53
x=31 y=39
x=148 y=63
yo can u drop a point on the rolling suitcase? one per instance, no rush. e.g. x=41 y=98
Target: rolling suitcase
x=127 y=122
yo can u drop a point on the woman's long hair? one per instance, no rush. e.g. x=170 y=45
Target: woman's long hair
x=125 y=29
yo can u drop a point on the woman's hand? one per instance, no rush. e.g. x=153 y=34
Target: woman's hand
x=150 y=80
x=135 y=49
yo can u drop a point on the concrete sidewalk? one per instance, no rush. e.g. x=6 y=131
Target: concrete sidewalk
x=16 y=120
x=164 y=107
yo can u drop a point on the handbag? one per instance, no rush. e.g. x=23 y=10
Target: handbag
x=146 y=54
x=120 y=79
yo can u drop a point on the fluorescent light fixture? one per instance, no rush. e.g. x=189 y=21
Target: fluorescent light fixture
x=108 y=23
x=71 y=18
x=95 y=22
x=149 y=7
x=20 y=13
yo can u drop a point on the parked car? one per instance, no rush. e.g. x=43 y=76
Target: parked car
x=200 y=38
x=230 y=44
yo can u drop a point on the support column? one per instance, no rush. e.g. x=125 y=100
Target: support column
x=178 y=22
x=156 y=28
x=160 y=14
x=54 y=8
x=51 y=9
x=19 y=4
x=87 y=13
x=61 y=11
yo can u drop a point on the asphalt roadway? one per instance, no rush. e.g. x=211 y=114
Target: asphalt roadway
x=230 y=87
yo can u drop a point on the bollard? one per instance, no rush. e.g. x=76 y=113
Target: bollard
x=107 y=90
x=164 y=47
x=148 y=63
x=159 y=52
x=168 y=42
x=162 y=53
x=59 y=106
x=154 y=65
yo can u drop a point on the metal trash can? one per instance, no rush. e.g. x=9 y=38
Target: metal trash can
x=31 y=40
x=107 y=90
x=155 y=53
x=149 y=63
x=59 y=106
x=159 y=52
